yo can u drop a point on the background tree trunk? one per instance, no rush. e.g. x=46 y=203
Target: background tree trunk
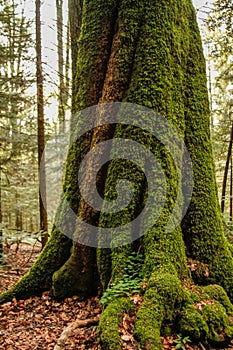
x=224 y=183
x=41 y=132
x=75 y=17
x=60 y=46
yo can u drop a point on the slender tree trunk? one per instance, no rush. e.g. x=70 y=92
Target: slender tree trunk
x=67 y=65
x=18 y=213
x=224 y=183
x=60 y=48
x=210 y=89
x=41 y=132
x=75 y=18
x=10 y=219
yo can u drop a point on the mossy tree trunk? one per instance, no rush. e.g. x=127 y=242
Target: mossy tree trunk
x=147 y=53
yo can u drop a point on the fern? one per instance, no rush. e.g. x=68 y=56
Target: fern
x=130 y=283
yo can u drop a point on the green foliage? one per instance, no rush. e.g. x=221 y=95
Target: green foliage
x=181 y=342
x=129 y=284
x=220 y=26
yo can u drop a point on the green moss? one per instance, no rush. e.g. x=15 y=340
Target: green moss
x=230 y=246
x=207 y=315
x=202 y=226
x=104 y=262
x=200 y=313
x=217 y=293
x=149 y=321
x=169 y=290
x=78 y=276
x=191 y=324
x=66 y=284
x=163 y=298
x=157 y=81
x=220 y=329
x=110 y=323
x=94 y=44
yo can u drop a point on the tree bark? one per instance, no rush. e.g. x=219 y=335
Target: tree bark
x=75 y=18
x=67 y=65
x=60 y=45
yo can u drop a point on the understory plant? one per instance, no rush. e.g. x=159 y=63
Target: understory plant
x=130 y=283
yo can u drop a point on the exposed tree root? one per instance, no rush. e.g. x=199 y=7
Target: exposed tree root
x=202 y=313
x=70 y=329
x=110 y=321
x=163 y=296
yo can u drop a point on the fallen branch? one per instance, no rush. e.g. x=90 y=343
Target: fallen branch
x=71 y=327
x=202 y=346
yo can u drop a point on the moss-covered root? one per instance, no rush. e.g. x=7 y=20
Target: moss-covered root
x=202 y=313
x=39 y=277
x=163 y=296
x=207 y=316
x=110 y=322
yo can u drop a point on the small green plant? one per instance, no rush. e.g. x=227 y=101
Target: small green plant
x=130 y=283
x=181 y=342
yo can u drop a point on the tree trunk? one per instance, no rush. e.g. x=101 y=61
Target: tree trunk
x=75 y=18
x=41 y=136
x=67 y=64
x=61 y=88
x=149 y=54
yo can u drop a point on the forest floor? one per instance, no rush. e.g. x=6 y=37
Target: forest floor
x=41 y=323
